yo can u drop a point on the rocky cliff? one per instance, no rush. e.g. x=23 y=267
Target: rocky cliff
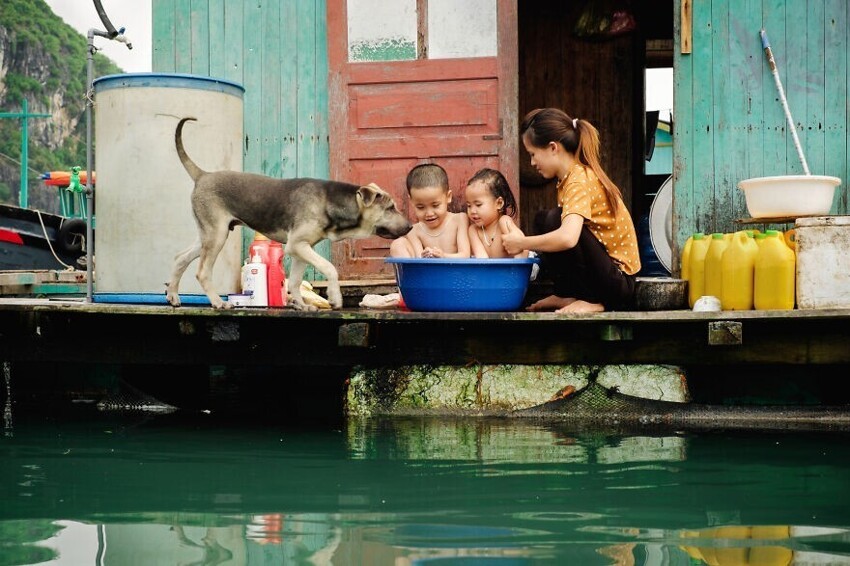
x=44 y=60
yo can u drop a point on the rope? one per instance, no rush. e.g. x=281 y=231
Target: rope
x=49 y=245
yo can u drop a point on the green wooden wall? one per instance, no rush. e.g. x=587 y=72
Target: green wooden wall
x=728 y=118
x=277 y=50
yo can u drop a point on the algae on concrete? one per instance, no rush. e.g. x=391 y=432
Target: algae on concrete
x=497 y=389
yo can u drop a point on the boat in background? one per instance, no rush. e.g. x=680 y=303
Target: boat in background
x=37 y=240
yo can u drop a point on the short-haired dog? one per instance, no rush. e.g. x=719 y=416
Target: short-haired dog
x=297 y=212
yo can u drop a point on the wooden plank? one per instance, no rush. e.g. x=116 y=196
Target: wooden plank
x=217 y=45
x=685 y=29
x=751 y=52
x=321 y=165
x=507 y=18
x=684 y=213
x=163 y=32
x=290 y=82
x=791 y=57
x=182 y=39
x=311 y=160
x=253 y=75
x=234 y=26
x=200 y=34
x=268 y=27
x=703 y=118
x=775 y=126
x=836 y=88
x=815 y=77
x=725 y=119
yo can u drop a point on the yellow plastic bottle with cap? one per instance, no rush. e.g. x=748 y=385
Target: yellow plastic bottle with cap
x=775 y=274
x=791 y=238
x=738 y=271
x=686 y=257
x=696 y=266
x=713 y=257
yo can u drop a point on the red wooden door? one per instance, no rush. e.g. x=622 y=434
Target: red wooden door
x=388 y=116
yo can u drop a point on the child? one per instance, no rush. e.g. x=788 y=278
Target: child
x=490 y=205
x=589 y=245
x=439 y=233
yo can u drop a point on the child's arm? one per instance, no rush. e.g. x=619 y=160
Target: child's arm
x=476 y=246
x=462 y=234
x=415 y=241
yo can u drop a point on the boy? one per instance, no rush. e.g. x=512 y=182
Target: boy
x=438 y=232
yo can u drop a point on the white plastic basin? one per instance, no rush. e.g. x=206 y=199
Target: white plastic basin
x=789 y=195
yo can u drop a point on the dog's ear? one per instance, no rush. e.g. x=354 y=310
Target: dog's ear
x=367 y=194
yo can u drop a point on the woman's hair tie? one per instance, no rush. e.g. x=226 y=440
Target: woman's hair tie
x=575 y=123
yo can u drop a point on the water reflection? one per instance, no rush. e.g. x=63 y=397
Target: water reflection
x=411 y=491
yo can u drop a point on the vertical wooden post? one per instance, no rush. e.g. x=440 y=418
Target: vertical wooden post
x=685 y=28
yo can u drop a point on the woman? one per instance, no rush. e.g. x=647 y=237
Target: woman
x=588 y=245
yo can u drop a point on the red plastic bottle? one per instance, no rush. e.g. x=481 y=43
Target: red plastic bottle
x=272 y=255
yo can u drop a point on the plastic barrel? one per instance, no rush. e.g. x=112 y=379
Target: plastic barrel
x=144 y=214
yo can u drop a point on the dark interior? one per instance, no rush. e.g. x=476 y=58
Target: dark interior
x=599 y=78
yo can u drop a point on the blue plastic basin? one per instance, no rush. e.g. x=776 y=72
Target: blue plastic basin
x=458 y=285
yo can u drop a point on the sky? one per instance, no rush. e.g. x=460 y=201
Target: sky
x=134 y=15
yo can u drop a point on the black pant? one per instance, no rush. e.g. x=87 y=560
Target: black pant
x=586 y=271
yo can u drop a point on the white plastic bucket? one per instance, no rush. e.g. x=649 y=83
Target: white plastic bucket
x=142 y=198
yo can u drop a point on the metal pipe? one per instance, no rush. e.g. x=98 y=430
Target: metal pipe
x=772 y=64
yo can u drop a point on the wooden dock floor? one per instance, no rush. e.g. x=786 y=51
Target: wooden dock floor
x=72 y=330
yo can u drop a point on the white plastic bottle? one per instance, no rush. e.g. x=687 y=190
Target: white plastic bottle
x=255 y=281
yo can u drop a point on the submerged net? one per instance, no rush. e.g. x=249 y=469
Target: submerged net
x=600 y=406
x=129 y=398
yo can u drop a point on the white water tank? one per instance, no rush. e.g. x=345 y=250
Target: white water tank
x=143 y=214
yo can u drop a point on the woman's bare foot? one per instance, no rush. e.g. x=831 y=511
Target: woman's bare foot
x=580 y=307
x=550 y=303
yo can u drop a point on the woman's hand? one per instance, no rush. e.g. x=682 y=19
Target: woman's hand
x=513 y=242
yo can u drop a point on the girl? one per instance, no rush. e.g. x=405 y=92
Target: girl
x=490 y=205
x=589 y=246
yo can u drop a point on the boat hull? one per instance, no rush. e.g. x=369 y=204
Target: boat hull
x=32 y=240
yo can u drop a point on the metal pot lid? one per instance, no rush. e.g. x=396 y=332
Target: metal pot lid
x=661 y=224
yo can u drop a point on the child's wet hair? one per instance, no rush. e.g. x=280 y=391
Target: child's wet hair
x=499 y=187
x=427 y=175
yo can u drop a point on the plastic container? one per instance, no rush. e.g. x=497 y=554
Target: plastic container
x=685 y=269
x=737 y=272
x=462 y=285
x=790 y=238
x=823 y=262
x=775 y=273
x=271 y=254
x=696 y=266
x=789 y=195
x=713 y=257
x=144 y=213
x=255 y=281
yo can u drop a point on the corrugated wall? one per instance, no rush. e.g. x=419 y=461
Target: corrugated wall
x=277 y=50
x=729 y=121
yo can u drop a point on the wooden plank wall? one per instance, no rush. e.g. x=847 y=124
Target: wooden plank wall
x=729 y=123
x=277 y=50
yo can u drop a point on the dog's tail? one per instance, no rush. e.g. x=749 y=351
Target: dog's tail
x=193 y=170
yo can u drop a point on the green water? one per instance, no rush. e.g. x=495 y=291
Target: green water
x=165 y=490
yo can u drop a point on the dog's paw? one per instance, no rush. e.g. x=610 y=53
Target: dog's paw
x=173 y=299
x=301 y=306
x=221 y=305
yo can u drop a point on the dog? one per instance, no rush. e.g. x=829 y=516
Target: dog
x=296 y=212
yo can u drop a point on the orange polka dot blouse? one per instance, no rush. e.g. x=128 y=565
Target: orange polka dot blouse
x=581 y=192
